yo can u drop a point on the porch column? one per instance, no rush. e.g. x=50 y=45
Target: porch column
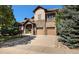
x=32 y=30
x=24 y=32
x=35 y=31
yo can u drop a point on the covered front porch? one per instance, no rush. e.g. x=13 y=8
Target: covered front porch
x=29 y=28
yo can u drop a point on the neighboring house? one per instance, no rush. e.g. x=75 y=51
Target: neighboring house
x=42 y=23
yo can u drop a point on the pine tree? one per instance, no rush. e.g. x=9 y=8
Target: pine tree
x=70 y=26
x=6 y=15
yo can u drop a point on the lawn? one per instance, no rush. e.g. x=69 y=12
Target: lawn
x=6 y=38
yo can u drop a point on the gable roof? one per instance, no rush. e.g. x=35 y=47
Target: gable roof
x=52 y=10
x=38 y=8
x=46 y=10
x=27 y=20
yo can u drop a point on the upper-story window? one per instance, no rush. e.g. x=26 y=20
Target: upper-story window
x=50 y=16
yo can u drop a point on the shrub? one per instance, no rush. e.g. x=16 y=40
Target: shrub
x=70 y=43
x=9 y=31
x=13 y=31
x=4 y=31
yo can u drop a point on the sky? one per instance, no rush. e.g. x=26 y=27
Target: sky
x=26 y=11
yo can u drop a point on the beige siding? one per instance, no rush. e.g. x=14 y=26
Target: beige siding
x=40 y=32
x=51 y=31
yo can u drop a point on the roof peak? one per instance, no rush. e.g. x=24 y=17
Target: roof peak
x=38 y=8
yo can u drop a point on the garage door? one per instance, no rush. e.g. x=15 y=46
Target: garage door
x=40 y=32
x=51 y=31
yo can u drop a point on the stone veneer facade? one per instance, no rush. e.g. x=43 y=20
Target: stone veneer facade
x=44 y=21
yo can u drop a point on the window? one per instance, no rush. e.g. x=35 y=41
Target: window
x=49 y=16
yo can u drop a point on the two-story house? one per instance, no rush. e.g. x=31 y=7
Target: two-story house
x=42 y=23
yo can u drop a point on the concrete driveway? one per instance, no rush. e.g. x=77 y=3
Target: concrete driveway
x=42 y=44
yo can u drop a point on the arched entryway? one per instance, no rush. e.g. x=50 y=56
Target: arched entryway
x=30 y=28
